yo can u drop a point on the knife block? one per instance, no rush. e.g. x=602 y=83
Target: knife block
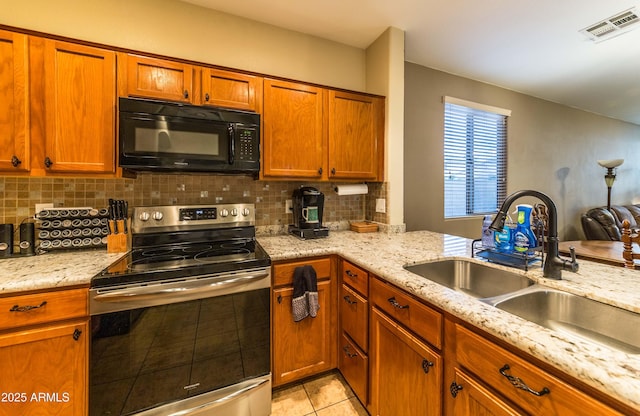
x=118 y=243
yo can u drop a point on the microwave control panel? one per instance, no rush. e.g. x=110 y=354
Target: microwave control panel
x=248 y=143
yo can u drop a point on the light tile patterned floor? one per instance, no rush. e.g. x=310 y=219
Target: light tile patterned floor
x=326 y=395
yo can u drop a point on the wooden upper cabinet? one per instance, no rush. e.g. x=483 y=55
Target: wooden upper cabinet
x=231 y=90
x=14 y=102
x=355 y=135
x=80 y=96
x=160 y=79
x=294 y=142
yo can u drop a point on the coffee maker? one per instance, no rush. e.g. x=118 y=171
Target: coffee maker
x=308 y=206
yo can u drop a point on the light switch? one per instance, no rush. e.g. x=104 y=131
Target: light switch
x=381 y=205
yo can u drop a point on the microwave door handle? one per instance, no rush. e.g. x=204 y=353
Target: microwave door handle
x=232 y=145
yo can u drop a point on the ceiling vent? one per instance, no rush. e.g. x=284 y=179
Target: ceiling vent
x=613 y=26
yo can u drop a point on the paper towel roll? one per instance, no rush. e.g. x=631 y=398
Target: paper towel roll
x=352 y=189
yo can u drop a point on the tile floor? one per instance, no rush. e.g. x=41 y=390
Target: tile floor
x=325 y=395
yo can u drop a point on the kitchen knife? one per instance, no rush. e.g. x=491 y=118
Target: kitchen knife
x=113 y=215
x=125 y=212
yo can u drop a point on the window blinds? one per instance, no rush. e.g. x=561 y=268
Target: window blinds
x=475 y=158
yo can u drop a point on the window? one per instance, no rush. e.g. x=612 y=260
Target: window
x=475 y=158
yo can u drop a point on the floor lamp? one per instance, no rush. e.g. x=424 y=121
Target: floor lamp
x=610 y=176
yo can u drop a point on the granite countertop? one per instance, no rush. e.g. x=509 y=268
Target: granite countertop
x=55 y=270
x=608 y=370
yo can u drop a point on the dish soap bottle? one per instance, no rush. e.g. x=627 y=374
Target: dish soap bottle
x=524 y=239
x=504 y=239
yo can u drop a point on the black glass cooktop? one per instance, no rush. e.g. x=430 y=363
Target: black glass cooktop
x=182 y=255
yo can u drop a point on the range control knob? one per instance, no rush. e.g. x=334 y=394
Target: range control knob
x=144 y=216
x=157 y=216
x=234 y=212
x=245 y=212
x=224 y=212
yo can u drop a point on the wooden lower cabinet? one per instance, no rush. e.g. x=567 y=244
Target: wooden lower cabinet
x=517 y=380
x=307 y=347
x=354 y=364
x=44 y=342
x=471 y=398
x=43 y=370
x=353 y=351
x=406 y=374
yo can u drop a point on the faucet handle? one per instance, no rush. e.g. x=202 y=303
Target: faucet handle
x=574 y=263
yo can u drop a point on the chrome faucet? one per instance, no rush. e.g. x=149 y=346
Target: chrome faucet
x=553 y=264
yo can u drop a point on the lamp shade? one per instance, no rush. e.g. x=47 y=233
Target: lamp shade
x=610 y=163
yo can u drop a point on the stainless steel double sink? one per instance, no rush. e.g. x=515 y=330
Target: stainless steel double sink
x=553 y=309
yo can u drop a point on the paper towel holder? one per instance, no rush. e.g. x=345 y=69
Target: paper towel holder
x=351 y=189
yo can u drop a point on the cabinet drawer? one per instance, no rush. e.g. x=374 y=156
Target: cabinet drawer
x=354 y=316
x=283 y=273
x=488 y=361
x=424 y=321
x=355 y=277
x=353 y=365
x=22 y=310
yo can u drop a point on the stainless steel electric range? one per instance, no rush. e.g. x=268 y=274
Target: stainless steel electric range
x=180 y=324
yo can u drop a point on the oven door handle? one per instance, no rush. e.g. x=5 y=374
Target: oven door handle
x=189 y=289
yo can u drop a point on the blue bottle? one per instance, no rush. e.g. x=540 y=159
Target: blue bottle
x=504 y=239
x=524 y=239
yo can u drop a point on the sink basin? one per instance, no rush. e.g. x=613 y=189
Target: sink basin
x=577 y=316
x=474 y=279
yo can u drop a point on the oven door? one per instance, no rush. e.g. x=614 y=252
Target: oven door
x=191 y=347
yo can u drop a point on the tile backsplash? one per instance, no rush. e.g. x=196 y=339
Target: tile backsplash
x=19 y=196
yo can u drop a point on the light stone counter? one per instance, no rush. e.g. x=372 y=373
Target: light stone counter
x=55 y=270
x=608 y=370
x=611 y=371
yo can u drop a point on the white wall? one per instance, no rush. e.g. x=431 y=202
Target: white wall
x=385 y=76
x=551 y=148
x=183 y=30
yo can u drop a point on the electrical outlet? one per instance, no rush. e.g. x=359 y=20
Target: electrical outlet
x=381 y=205
x=40 y=207
x=288 y=206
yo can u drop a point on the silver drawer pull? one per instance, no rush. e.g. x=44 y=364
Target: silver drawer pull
x=351 y=274
x=26 y=308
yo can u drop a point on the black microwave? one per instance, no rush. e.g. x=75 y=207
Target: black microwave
x=172 y=137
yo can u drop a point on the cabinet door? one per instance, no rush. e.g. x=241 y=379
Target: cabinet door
x=294 y=144
x=14 y=102
x=43 y=371
x=302 y=348
x=354 y=313
x=406 y=375
x=520 y=381
x=355 y=147
x=157 y=78
x=471 y=398
x=353 y=364
x=231 y=89
x=80 y=93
